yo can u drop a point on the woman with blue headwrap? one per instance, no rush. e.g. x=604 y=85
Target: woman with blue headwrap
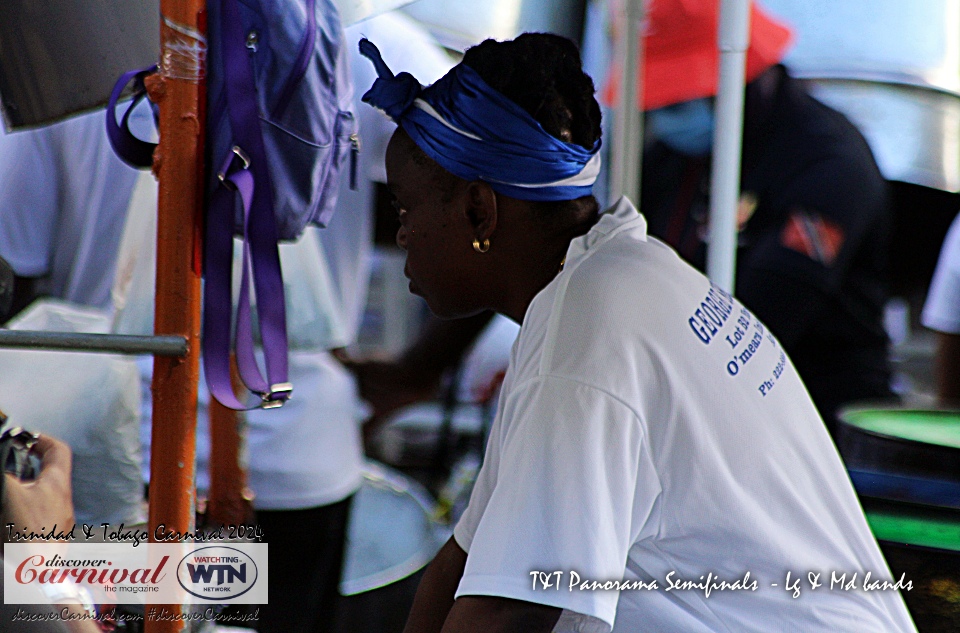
x=655 y=462
x=468 y=131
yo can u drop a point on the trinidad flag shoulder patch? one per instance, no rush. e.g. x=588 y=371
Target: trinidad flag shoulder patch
x=810 y=234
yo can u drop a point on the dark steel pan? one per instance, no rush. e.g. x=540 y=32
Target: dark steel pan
x=902 y=442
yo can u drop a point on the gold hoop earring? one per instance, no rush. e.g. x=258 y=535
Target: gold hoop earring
x=481 y=248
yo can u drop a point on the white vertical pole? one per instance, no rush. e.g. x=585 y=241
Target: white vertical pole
x=628 y=119
x=734 y=37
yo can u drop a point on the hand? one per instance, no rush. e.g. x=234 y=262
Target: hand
x=389 y=386
x=45 y=501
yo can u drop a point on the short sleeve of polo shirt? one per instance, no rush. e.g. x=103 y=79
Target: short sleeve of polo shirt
x=941 y=312
x=566 y=486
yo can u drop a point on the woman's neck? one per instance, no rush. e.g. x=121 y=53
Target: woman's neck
x=534 y=266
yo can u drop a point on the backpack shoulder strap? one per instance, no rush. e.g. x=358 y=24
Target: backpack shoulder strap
x=131 y=150
x=261 y=257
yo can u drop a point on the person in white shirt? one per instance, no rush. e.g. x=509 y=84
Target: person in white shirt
x=941 y=313
x=655 y=463
x=63 y=200
x=64 y=197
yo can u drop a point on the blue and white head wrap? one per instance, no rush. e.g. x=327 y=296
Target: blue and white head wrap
x=476 y=133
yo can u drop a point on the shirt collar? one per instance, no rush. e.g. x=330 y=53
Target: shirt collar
x=622 y=216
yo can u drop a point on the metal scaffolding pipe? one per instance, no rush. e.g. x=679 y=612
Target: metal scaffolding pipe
x=96 y=343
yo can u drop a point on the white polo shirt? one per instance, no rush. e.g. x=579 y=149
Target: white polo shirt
x=650 y=428
x=941 y=311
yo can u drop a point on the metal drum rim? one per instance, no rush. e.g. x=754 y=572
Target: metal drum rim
x=846 y=411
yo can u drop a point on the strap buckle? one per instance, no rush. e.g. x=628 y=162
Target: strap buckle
x=277 y=396
x=223 y=175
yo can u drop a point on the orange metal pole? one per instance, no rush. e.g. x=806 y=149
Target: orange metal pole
x=178 y=162
x=229 y=500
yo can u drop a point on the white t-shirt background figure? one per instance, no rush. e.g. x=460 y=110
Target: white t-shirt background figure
x=63 y=200
x=64 y=197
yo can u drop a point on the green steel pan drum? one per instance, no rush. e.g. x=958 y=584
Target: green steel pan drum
x=922 y=543
x=909 y=442
x=905 y=465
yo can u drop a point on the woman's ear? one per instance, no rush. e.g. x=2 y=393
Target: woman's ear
x=481 y=209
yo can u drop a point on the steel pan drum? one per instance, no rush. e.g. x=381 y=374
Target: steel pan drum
x=389 y=540
x=905 y=465
x=905 y=442
x=923 y=543
x=390 y=535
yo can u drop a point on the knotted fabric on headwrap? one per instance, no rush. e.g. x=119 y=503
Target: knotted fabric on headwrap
x=476 y=133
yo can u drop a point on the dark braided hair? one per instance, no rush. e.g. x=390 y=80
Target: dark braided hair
x=543 y=74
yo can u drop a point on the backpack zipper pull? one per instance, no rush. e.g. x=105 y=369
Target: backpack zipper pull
x=354 y=155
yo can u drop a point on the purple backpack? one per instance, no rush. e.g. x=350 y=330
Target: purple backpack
x=279 y=128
